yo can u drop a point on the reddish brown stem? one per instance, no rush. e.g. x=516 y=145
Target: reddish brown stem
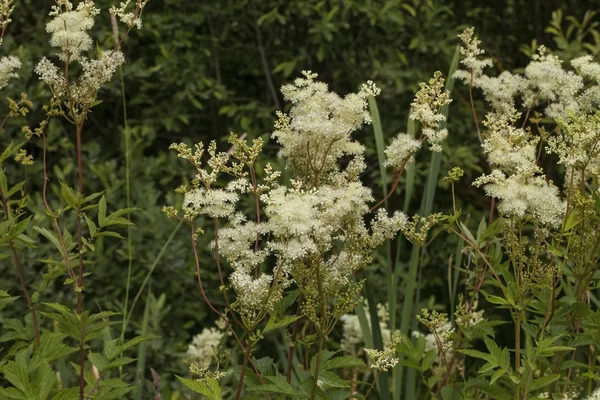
x=212 y=307
x=238 y=392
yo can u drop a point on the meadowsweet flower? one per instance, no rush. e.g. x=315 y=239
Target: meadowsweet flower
x=549 y=82
x=500 y=91
x=440 y=336
x=384 y=227
x=211 y=202
x=203 y=346
x=253 y=296
x=6 y=9
x=401 y=151
x=130 y=19
x=595 y=395
x=471 y=52
x=577 y=146
x=52 y=76
x=516 y=179
x=8 y=65
x=316 y=132
x=384 y=360
x=69 y=28
x=426 y=108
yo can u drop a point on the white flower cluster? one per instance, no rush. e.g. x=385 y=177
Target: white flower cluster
x=315 y=229
x=353 y=339
x=547 y=81
x=471 y=52
x=595 y=395
x=129 y=18
x=426 y=108
x=384 y=360
x=401 y=151
x=515 y=178
x=203 y=346
x=544 y=82
x=317 y=130
x=69 y=32
x=8 y=65
x=69 y=28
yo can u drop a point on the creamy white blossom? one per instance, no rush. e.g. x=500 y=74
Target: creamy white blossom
x=203 y=345
x=516 y=180
x=401 y=150
x=69 y=28
x=130 y=18
x=211 y=202
x=549 y=82
x=427 y=107
x=470 y=51
x=8 y=65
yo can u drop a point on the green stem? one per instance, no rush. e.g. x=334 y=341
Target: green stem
x=317 y=366
x=517 y=352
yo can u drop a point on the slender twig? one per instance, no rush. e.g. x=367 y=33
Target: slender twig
x=238 y=392
x=212 y=307
x=473 y=104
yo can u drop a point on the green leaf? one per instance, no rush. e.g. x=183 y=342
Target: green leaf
x=68 y=195
x=277 y=323
x=91 y=226
x=102 y=211
x=332 y=380
x=539 y=383
x=67 y=394
x=137 y=340
x=196 y=385
x=51 y=237
x=343 y=362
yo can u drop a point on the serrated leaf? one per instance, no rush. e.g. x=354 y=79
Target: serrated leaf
x=544 y=381
x=343 y=362
x=278 y=323
x=67 y=394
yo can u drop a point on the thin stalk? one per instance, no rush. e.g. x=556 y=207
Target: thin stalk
x=518 y=352
x=317 y=366
x=290 y=359
x=212 y=307
x=238 y=392
x=80 y=257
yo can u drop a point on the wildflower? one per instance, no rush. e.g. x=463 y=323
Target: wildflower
x=384 y=360
x=595 y=395
x=548 y=81
x=203 y=346
x=426 y=108
x=316 y=132
x=69 y=28
x=8 y=65
x=130 y=19
x=471 y=52
x=401 y=151
x=516 y=179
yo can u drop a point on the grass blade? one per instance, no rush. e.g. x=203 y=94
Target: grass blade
x=411 y=281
